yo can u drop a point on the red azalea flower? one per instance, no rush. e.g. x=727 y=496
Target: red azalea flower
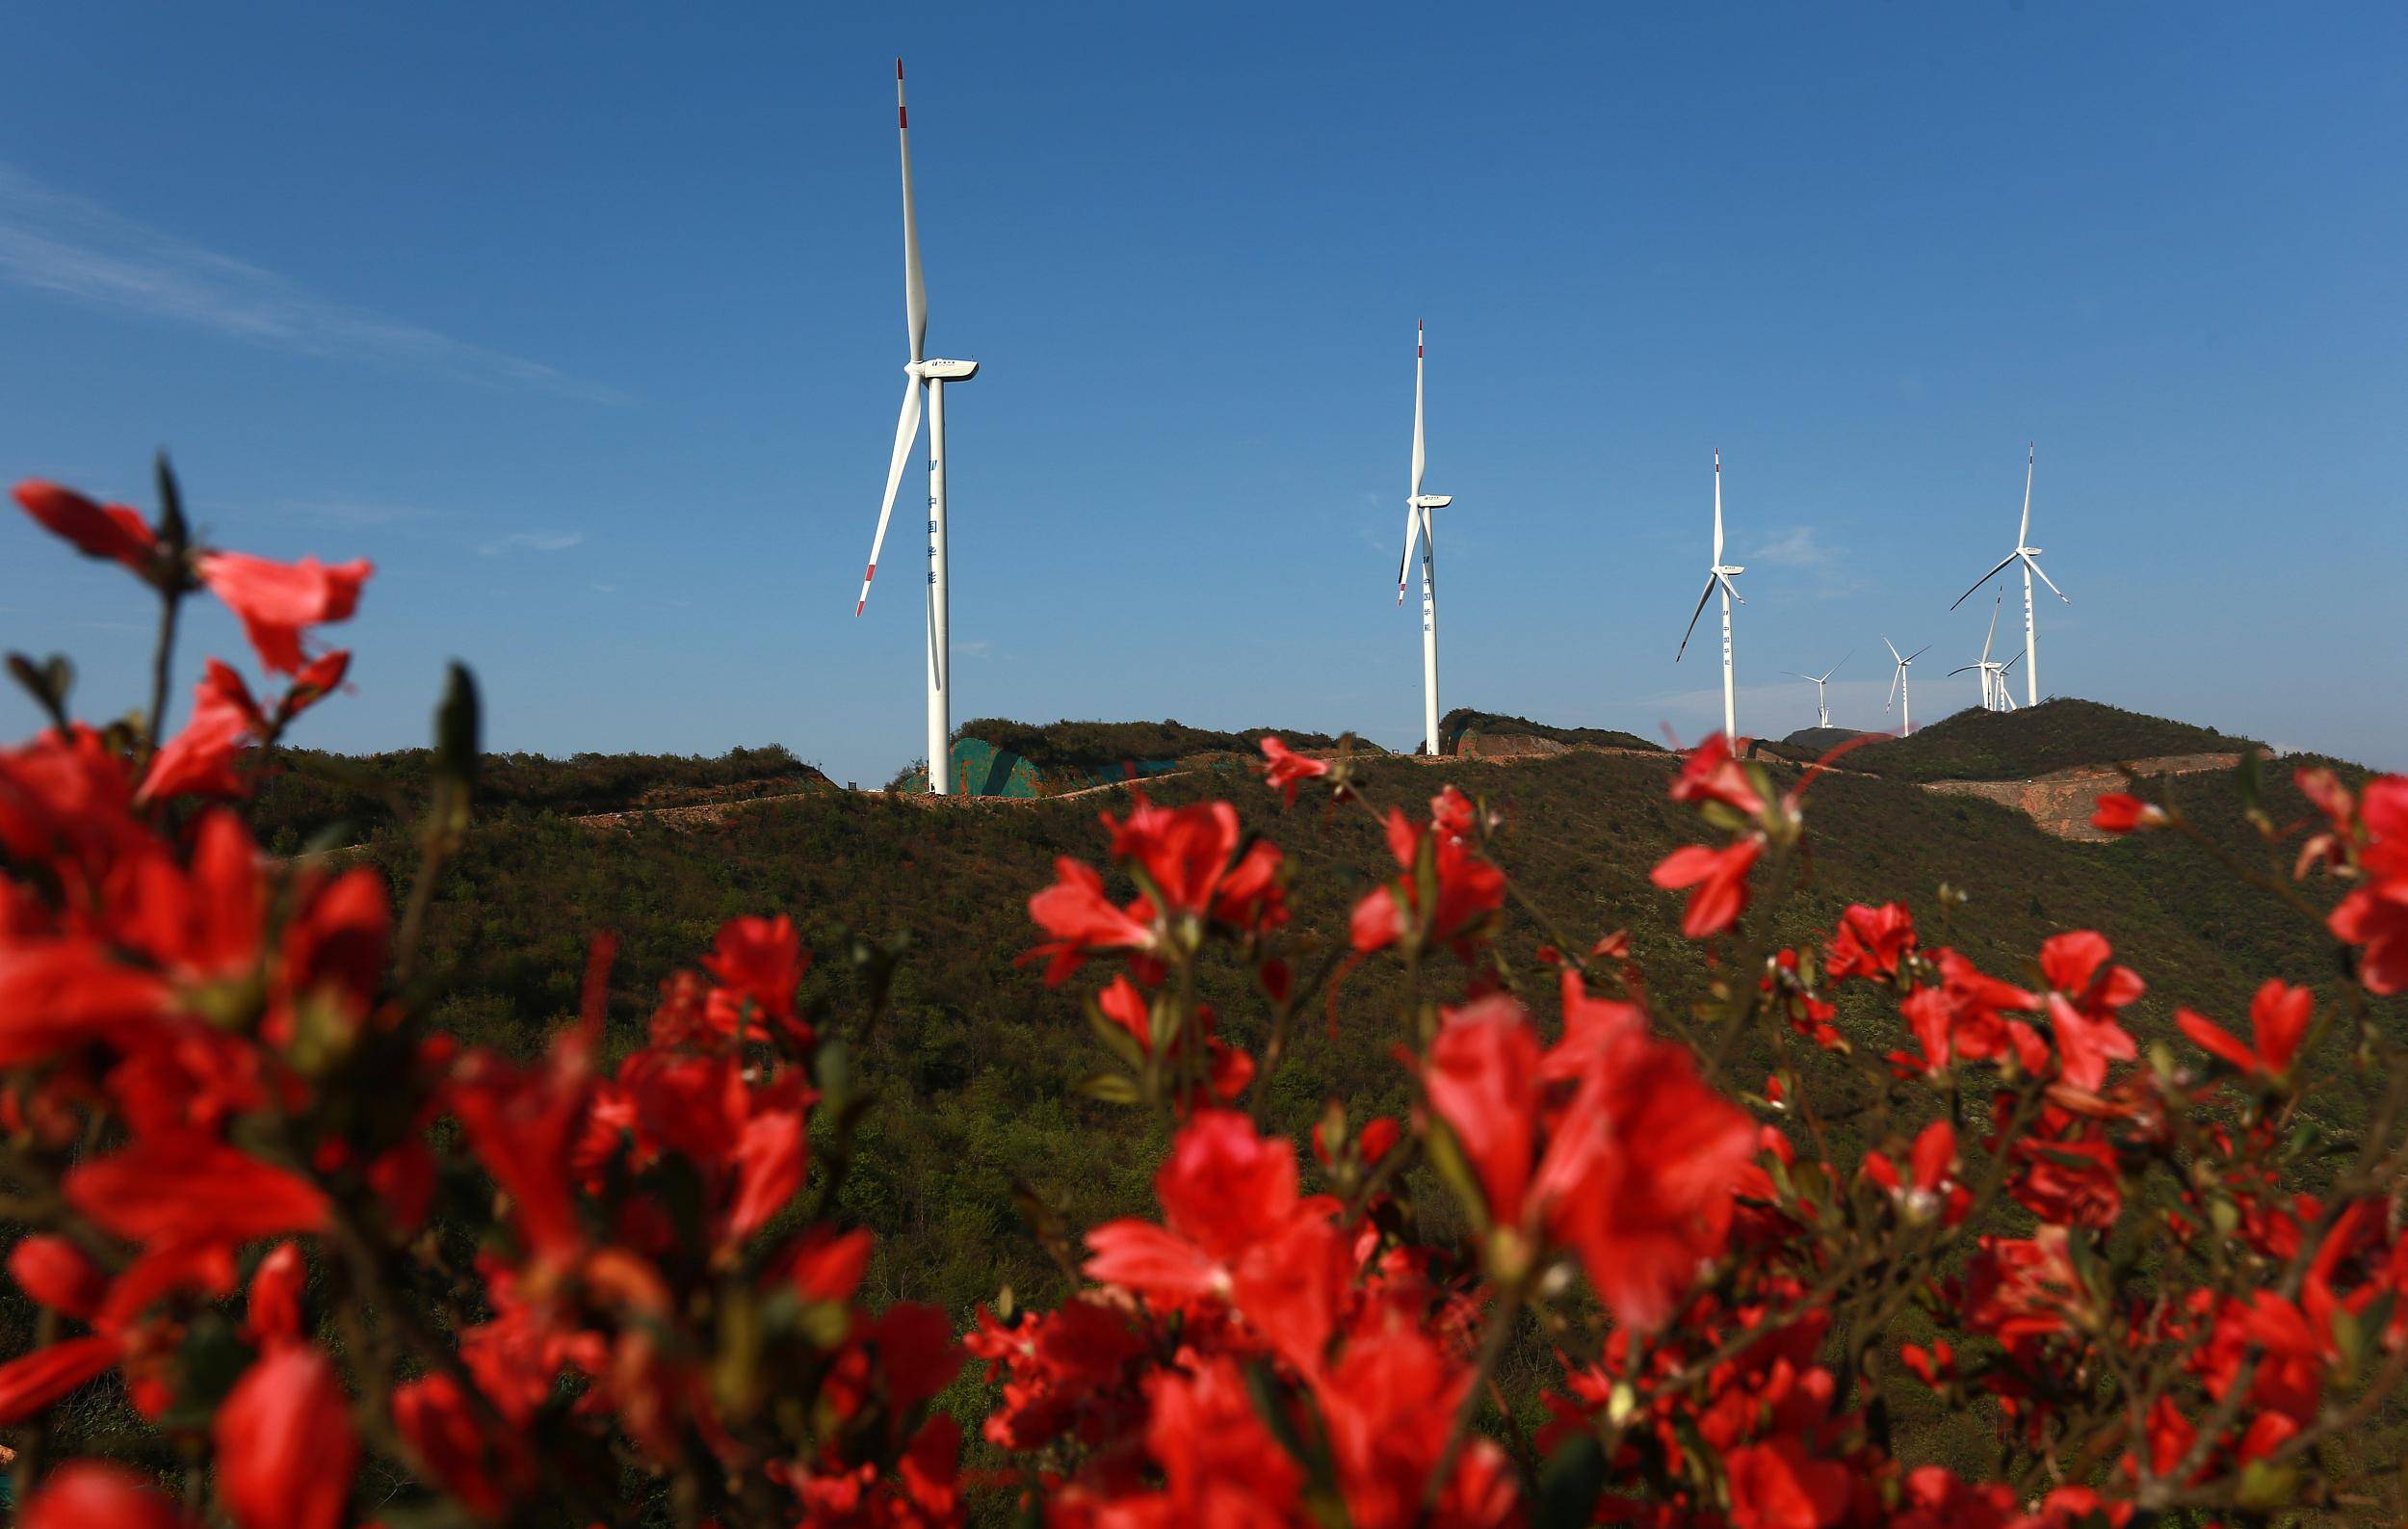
x=2023 y=1288
x=2121 y=812
x=1710 y=773
x=1644 y=1162
x=165 y=1190
x=199 y=760
x=2070 y=1182
x=277 y=601
x=2278 y=1021
x=488 y=1469
x=29 y=1384
x=1083 y=920
x=113 y=532
x=1469 y=887
x=285 y=1448
x=2089 y=988
x=273 y=1311
x=58 y=1275
x=1285 y=768
x=90 y=1495
x=763 y=959
x=1870 y=942
x=2376 y=917
x=1721 y=876
x=1776 y=1485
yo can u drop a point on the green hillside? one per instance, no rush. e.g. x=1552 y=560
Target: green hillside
x=1463 y=720
x=1976 y=745
x=309 y=793
x=977 y=1059
x=1106 y=745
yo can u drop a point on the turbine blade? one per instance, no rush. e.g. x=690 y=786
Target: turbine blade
x=2023 y=533
x=906 y=431
x=915 y=284
x=1808 y=678
x=1694 y=615
x=1891 y=647
x=1993 y=627
x=1717 y=507
x=1917 y=653
x=1419 y=456
x=1896 y=676
x=2034 y=564
x=1984 y=579
x=1732 y=588
x=1404 y=564
x=1954 y=672
x=1835 y=668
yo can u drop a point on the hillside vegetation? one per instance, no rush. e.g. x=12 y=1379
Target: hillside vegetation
x=1975 y=744
x=980 y=1058
x=1462 y=720
x=310 y=793
x=1105 y=745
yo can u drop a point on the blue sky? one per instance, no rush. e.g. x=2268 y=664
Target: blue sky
x=585 y=323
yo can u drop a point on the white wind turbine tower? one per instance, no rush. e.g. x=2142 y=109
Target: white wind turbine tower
x=1719 y=574
x=1898 y=685
x=923 y=373
x=1822 y=710
x=1416 y=522
x=2027 y=553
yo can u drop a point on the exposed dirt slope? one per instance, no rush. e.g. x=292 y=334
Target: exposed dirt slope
x=2061 y=801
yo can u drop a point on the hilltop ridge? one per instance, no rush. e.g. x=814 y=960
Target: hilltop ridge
x=2057 y=734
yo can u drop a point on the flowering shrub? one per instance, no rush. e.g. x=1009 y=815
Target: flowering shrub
x=1590 y=1276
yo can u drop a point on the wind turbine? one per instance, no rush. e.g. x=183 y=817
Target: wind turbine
x=1416 y=522
x=1993 y=676
x=2005 y=693
x=1719 y=574
x=1898 y=690
x=1822 y=712
x=923 y=373
x=2027 y=553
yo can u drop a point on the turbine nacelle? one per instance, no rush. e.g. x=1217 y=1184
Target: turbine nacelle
x=1430 y=501
x=934 y=370
x=1725 y=571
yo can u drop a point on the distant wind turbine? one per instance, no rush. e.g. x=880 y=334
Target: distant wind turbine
x=2005 y=692
x=1718 y=573
x=1993 y=696
x=923 y=373
x=2028 y=554
x=1898 y=691
x=1417 y=523
x=1822 y=712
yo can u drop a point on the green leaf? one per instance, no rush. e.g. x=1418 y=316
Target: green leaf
x=1569 y=1486
x=1117 y=1041
x=47 y=682
x=1112 y=1087
x=2266 y=1487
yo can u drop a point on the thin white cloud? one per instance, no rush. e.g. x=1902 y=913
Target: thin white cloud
x=61 y=244
x=532 y=541
x=1793 y=548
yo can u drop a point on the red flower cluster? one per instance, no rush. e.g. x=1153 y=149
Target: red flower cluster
x=1576 y=1278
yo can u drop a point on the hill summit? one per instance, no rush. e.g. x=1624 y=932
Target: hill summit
x=2062 y=734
